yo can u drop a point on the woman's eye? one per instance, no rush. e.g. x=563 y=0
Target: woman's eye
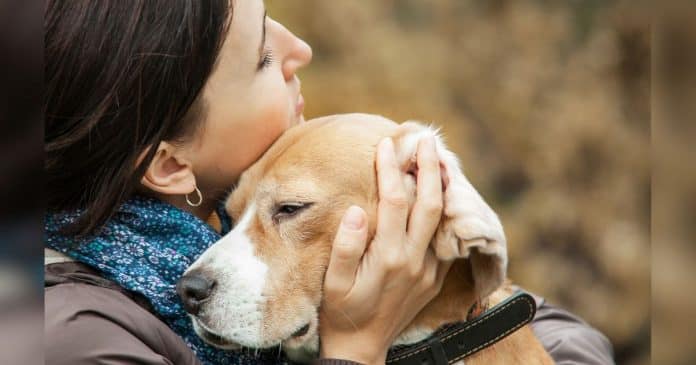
x=266 y=60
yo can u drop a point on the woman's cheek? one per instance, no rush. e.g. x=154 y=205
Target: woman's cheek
x=268 y=128
x=229 y=148
x=273 y=119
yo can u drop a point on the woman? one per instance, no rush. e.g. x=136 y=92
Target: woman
x=153 y=110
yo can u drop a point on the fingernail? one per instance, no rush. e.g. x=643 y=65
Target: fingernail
x=353 y=219
x=386 y=144
x=431 y=142
x=424 y=143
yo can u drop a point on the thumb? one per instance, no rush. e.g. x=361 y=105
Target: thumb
x=346 y=253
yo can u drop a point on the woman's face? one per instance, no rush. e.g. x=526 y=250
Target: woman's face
x=250 y=99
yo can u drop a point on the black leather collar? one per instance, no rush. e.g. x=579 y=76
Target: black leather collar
x=454 y=342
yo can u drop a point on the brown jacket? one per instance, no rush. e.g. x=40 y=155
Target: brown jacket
x=90 y=320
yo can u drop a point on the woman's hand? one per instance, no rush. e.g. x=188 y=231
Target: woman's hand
x=371 y=296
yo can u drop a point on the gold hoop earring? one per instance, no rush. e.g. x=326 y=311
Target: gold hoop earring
x=200 y=198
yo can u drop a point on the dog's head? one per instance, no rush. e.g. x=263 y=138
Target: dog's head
x=261 y=284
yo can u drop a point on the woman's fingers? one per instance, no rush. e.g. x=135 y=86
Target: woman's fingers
x=427 y=211
x=392 y=212
x=377 y=294
x=346 y=253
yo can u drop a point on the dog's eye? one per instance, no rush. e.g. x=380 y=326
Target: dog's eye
x=288 y=210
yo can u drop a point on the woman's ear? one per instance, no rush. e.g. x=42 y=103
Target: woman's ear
x=169 y=172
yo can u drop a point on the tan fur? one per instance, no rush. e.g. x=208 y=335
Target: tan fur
x=330 y=162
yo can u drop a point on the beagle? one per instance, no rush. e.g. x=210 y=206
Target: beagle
x=260 y=286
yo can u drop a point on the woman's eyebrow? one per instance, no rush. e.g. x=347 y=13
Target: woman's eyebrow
x=263 y=32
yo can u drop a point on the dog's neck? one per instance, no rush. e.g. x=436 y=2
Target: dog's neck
x=451 y=305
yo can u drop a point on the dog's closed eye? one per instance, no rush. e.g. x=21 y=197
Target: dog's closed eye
x=288 y=210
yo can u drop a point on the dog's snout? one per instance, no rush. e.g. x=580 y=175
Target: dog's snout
x=193 y=288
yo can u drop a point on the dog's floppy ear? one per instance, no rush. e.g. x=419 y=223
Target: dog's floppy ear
x=469 y=229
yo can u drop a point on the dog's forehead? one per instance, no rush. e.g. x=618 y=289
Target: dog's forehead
x=320 y=150
x=327 y=138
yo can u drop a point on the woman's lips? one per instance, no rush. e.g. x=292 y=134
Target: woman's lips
x=300 y=105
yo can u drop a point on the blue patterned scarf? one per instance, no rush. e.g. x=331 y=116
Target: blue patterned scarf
x=145 y=248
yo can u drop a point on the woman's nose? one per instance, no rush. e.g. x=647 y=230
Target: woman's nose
x=299 y=54
x=193 y=288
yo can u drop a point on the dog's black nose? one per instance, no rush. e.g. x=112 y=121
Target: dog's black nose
x=193 y=288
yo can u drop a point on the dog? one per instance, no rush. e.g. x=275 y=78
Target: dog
x=260 y=286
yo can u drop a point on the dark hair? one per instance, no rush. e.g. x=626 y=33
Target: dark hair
x=121 y=76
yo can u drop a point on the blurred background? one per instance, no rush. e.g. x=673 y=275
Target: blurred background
x=674 y=185
x=547 y=103
x=559 y=110
x=21 y=185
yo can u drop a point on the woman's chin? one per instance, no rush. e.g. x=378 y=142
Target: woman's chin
x=298 y=120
